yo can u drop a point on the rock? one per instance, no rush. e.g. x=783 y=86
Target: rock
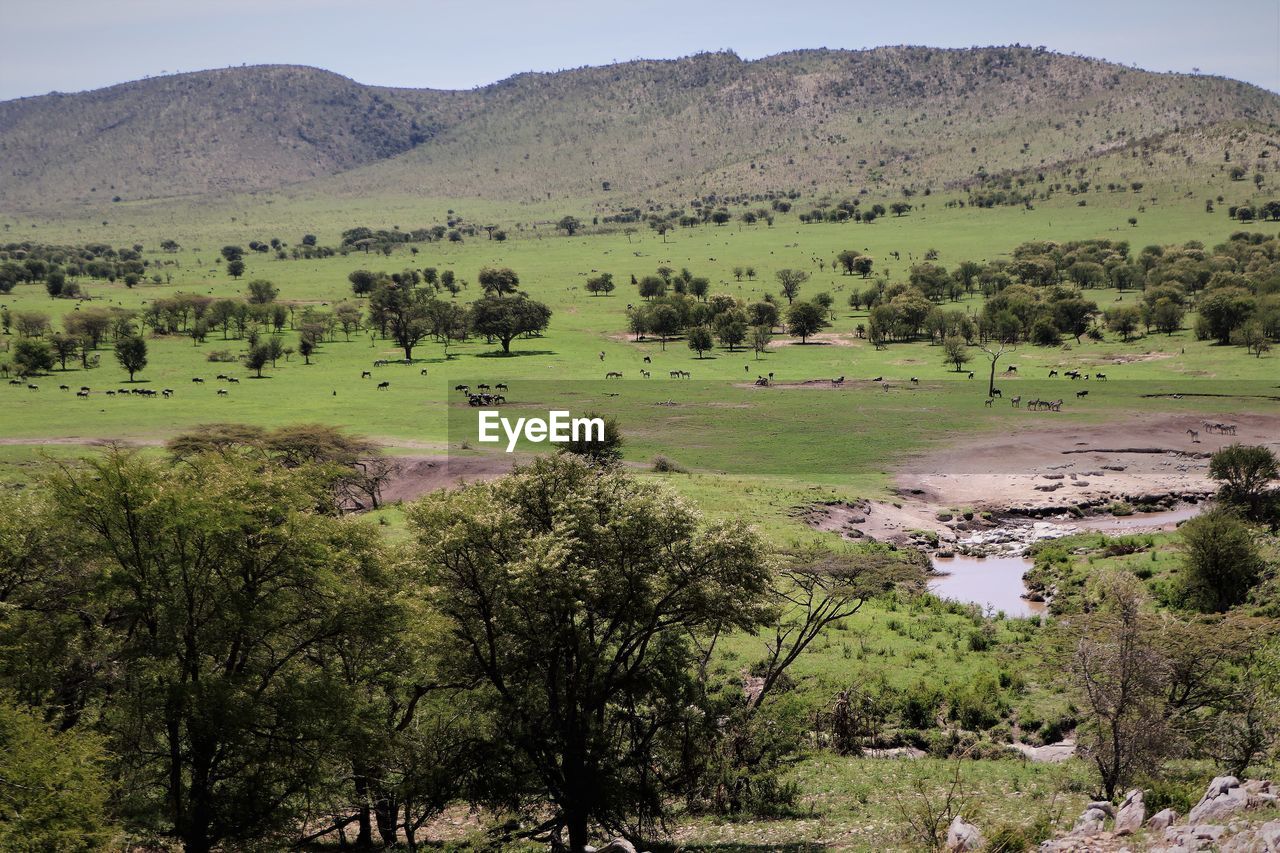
x=617 y=845
x=1223 y=799
x=1131 y=813
x=963 y=837
x=1162 y=820
x=1260 y=839
x=1089 y=823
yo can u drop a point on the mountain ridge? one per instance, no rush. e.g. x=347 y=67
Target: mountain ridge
x=815 y=120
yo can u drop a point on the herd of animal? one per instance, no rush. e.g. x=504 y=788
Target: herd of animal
x=484 y=395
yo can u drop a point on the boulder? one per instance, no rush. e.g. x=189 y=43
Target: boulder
x=1226 y=797
x=963 y=837
x=1161 y=820
x=617 y=845
x=1131 y=813
x=1090 y=822
x=1260 y=839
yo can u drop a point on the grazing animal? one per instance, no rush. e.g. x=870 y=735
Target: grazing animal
x=222 y=376
x=760 y=380
x=222 y=392
x=1099 y=376
x=84 y=394
x=463 y=388
x=501 y=386
x=648 y=360
x=15 y=381
x=422 y=372
x=878 y=379
x=1080 y=394
x=1016 y=401
x=1195 y=436
x=839 y=381
x=498 y=399
x=1052 y=373
x=64 y=387
x=991 y=401
x=675 y=374
x=233 y=379
x=168 y=392
x=1055 y=406
x=770 y=375
x=915 y=381
x=197 y=379
x=365 y=374
x=111 y=393
x=1013 y=368
x=970 y=374
x=884 y=386
x=612 y=374
x=644 y=373
x=602 y=355
x=33 y=387
x=383 y=384
x=483 y=386
x=995 y=392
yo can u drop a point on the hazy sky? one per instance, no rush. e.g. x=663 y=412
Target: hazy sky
x=70 y=45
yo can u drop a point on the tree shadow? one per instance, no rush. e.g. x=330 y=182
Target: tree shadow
x=515 y=354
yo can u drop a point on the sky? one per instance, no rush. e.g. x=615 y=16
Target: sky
x=73 y=45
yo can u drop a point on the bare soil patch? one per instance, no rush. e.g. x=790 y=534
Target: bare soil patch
x=415 y=476
x=1042 y=471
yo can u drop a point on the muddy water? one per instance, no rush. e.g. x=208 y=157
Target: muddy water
x=995 y=583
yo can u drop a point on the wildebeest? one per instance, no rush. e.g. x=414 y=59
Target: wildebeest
x=1052 y=373
x=64 y=387
x=365 y=374
x=915 y=380
x=232 y=379
x=84 y=394
x=1080 y=394
x=838 y=381
x=33 y=387
x=645 y=373
x=383 y=384
x=197 y=379
x=995 y=392
x=422 y=372
x=648 y=360
x=222 y=392
x=501 y=386
x=612 y=374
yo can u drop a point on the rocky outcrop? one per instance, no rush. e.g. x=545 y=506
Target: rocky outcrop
x=617 y=845
x=1131 y=814
x=1226 y=797
x=962 y=836
x=1218 y=822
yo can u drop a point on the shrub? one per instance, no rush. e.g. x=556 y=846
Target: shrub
x=663 y=465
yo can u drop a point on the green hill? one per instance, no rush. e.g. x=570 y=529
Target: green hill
x=816 y=121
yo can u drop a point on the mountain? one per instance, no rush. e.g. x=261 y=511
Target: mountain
x=815 y=120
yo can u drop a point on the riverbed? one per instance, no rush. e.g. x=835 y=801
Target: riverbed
x=995 y=582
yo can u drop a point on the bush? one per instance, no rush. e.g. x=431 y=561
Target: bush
x=1220 y=561
x=663 y=465
x=220 y=355
x=1177 y=794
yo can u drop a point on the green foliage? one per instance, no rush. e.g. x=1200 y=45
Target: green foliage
x=53 y=786
x=1220 y=561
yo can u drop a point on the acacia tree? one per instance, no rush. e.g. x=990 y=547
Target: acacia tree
x=955 y=352
x=993 y=353
x=1246 y=473
x=405 y=312
x=790 y=280
x=507 y=319
x=131 y=352
x=1121 y=678
x=571 y=593
x=805 y=318
x=219 y=583
x=700 y=340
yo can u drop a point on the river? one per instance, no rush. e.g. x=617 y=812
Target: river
x=996 y=583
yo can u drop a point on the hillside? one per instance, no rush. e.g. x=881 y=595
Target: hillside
x=816 y=121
